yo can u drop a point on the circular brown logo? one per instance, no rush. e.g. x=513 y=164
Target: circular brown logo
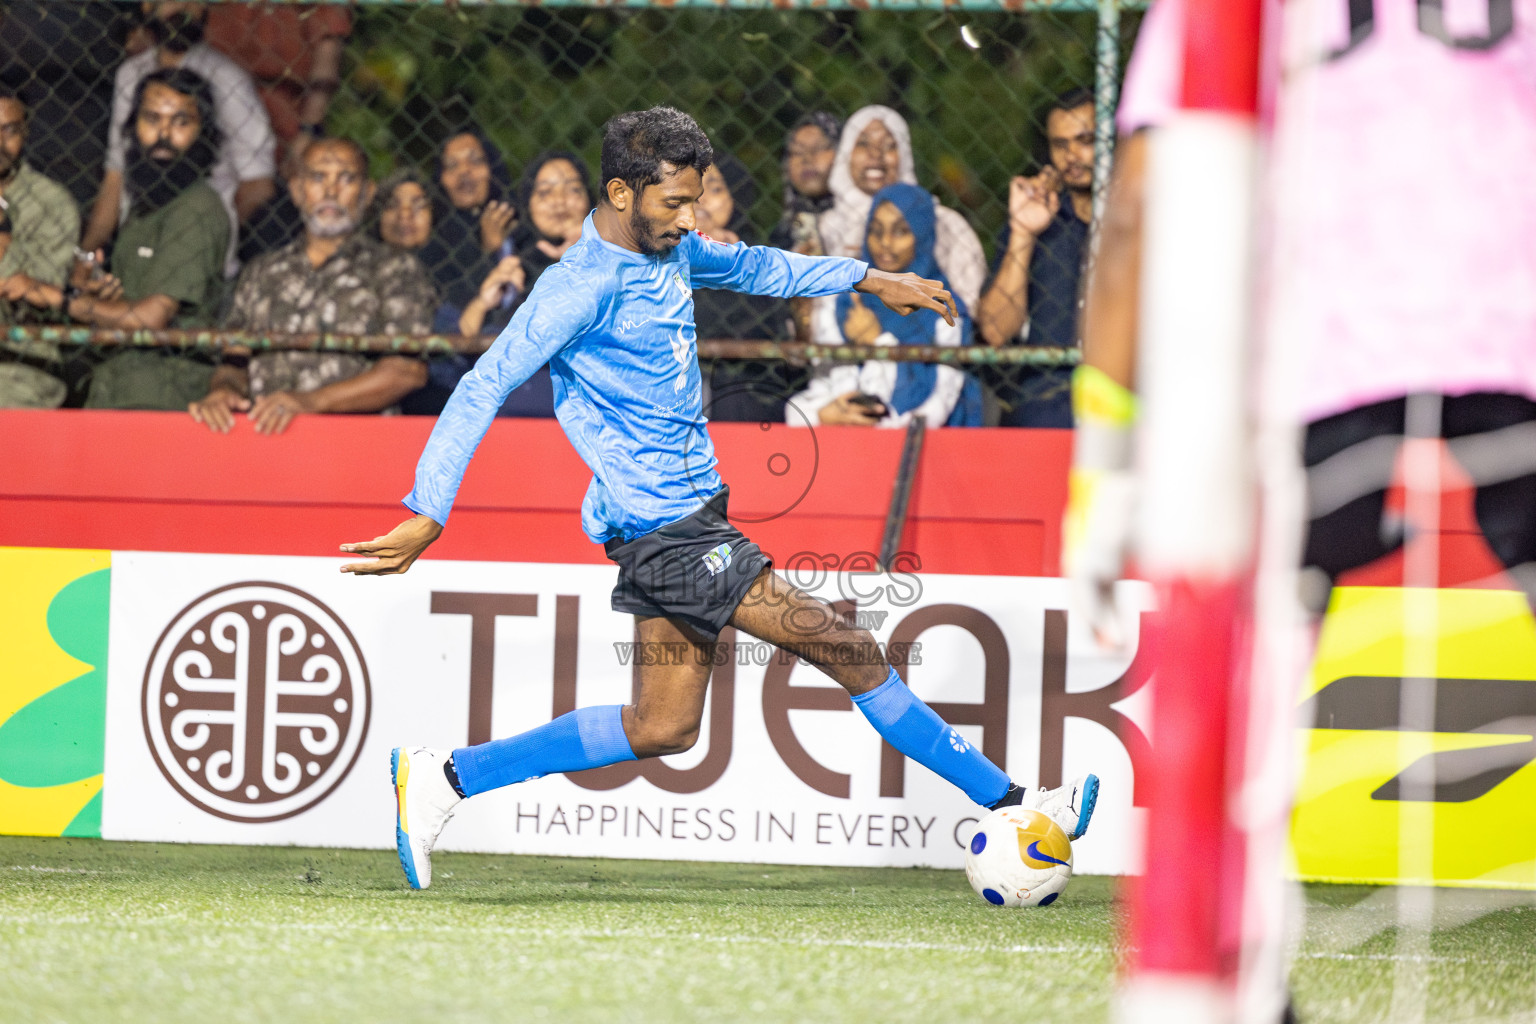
x=256 y=701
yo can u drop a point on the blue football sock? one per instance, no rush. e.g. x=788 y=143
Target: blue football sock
x=911 y=727
x=585 y=738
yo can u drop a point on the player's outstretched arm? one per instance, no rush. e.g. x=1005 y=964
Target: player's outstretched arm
x=907 y=293
x=396 y=550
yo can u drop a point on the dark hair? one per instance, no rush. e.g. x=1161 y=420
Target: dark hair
x=188 y=83
x=531 y=173
x=636 y=144
x=743 y=190
x=403 y=176
x=830 y=125
x=496 y=164
x=1071 y=100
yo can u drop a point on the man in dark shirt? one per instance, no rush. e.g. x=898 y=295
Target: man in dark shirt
x=1033 y=297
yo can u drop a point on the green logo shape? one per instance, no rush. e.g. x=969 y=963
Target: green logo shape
x=61 y=736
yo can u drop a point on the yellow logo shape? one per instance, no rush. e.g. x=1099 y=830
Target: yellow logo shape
x=1042 y=843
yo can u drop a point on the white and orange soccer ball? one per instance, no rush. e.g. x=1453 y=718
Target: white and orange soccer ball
x=1018 y=858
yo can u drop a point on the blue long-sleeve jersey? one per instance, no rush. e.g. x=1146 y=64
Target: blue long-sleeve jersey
x=617 y=330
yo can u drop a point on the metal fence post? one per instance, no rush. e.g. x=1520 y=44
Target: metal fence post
x=1106 y=91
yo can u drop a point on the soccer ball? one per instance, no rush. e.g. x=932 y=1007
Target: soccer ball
x=1018 y=858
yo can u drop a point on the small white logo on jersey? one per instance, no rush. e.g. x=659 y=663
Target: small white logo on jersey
x=146 y=252
x=625 y=326
x=681 y=349
x=682 y=286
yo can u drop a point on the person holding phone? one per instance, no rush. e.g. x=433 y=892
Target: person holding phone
x=899 y=236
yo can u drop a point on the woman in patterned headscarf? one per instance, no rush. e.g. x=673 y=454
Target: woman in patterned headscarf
x=808 y=151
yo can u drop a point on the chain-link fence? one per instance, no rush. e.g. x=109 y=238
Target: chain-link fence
x=480 y=125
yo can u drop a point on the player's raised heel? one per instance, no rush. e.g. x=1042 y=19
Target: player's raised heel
x=424 y=801
x=1070 y=806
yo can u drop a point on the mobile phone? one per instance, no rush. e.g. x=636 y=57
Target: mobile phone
x=873 y=403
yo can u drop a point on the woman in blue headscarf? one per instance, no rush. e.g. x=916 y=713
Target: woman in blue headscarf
x=899 y=236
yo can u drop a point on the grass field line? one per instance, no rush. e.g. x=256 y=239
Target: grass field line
x=654 y=936
x=179 y=920
x=1394 y=958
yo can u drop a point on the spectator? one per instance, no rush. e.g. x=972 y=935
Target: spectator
x=483 y=319
x=59 y=58
x=243 y=175
x=875 y=150
x=739 y=392
x=337 y=279
x=405 y=211
x=808 y=154
x=294 y=53
x=1034 y=295
x=809 y=151
x=553 y=199
x=475 y=231
x=901 y=235
x=38 y=227
x=168 y=263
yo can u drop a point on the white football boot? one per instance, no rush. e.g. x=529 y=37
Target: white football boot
x=1070 y=806
x=424 y=801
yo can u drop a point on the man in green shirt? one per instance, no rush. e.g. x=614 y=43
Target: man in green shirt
x=38 y=227
x=168 y=263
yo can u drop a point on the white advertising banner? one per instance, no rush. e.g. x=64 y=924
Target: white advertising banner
x=255 y=699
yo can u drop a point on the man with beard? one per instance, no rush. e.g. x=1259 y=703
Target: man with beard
x=38 y=226
x=167 y=265
x=243 y=174
x=336 y=278
x=614 y=320
x=1034 y=295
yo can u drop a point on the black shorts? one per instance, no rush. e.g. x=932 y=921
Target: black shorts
x=1350 y=459
x=695 y=570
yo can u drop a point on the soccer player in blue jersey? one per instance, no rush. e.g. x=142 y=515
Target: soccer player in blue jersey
x=614 y=321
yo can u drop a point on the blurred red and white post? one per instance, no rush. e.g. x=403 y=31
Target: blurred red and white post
x=1195 y=535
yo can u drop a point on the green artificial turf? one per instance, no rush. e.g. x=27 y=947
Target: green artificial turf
x=94 y=931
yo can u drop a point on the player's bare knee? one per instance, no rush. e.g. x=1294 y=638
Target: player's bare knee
x=655 y=739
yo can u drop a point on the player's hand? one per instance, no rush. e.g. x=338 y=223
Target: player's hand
x=907 y=293
x=1033 y=203
x=1101 y=501
x=496 y=224
x=217 y=410
x=272 y=413
x=1096 y=536
x=396 y=550
x=861 y=326
x=843 y=411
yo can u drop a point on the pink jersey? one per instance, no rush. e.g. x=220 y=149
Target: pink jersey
x=1400 y=194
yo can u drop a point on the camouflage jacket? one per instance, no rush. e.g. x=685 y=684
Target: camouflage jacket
x=367 y=287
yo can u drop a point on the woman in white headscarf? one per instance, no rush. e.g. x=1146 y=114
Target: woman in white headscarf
x=875 y=151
